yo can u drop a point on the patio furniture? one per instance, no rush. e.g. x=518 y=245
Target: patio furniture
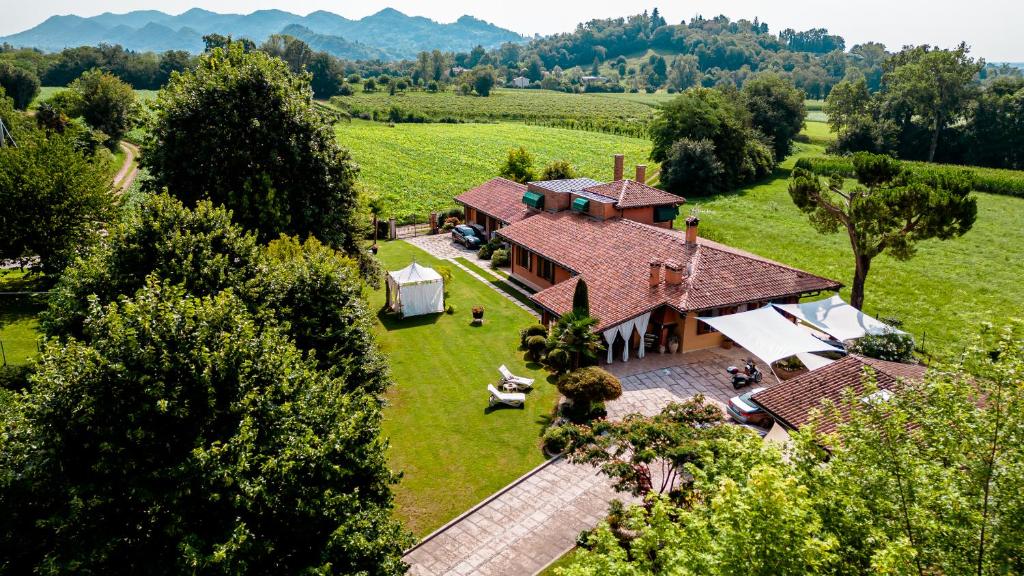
x=519 y=381
x=514 y=399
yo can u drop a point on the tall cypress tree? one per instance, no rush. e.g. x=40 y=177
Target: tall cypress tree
x=581 y=299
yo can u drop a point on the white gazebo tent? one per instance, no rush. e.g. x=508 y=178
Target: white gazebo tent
x=767 y=334
x=835 y=317
x=415 y=290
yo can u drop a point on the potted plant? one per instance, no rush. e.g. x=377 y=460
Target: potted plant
x=478 y=314
x=373 y=249
x=673 y=344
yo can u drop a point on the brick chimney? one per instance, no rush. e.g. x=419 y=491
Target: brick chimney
x=655 y=272
x=620 y=162
x=673 y=273
x=641 y=173
x=691 y=229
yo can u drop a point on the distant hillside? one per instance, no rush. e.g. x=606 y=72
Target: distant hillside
x=388 y=34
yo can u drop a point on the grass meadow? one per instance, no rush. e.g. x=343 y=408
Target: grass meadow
x=417 y=168
x=943 y=294
x=454 y=451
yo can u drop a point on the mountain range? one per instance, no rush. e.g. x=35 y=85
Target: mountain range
x=388 y=34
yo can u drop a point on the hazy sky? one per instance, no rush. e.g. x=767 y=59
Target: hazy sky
x=991 y=27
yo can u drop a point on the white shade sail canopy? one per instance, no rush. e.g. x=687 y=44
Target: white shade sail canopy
x=813 y=361
x=837 y=318
x=415 y=290
x=766 y=334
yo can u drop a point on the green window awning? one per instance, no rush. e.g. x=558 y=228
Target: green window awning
x=534 y=200
x=581 y=205
x=665 y=213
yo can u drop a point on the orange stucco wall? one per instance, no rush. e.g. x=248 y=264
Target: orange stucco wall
x=531 y=277
x=694 y=341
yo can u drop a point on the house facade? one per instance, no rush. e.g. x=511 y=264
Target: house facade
x=647 y=282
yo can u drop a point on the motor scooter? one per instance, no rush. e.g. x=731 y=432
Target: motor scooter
x=749 y=375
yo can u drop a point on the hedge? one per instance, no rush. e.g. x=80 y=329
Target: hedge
x=992 y=180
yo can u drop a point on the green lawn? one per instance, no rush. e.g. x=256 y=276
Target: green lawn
x=19 y=331
x=453 y=449
x=565 y=561
x=942 y=294
x=500 y=284
x=416 y=168
x=818 y=132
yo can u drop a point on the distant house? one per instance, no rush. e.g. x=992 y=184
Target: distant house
x=648 y=283
x=593 y=79
x=456 y=70
x=520 y=82
x=793 y=402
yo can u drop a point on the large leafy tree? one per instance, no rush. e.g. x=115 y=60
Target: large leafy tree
x=890 y=211
x=185 y=435
x=308 y=287
x=996 y=126
x=55 y=198
x=518 y=165
x=20 y=84
x=241 y=130
x=776 y=109
x=934 y=85
x=104 y=101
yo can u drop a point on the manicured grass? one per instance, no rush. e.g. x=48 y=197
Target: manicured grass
x=19 y=329
x=453 y=449
x=416 y=168
x=943 y=294
x=818 y=132
x=501 y=285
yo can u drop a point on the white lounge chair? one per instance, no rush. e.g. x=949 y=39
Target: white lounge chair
x=519 y=381
x=515 y=399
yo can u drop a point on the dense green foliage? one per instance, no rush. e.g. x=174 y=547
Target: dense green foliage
x=931 y=107
x=691 y=168
x=518 y=166
x=572 y=342
x=21 y=85
x=558 y=170
x=241 y=131
x=101 y=99
x=891 y=211
x=924 y=483
x=143 y=70
x=721 y=117
x=55 y=197
x=993 y=180
x=776 y=110
x=184 y=434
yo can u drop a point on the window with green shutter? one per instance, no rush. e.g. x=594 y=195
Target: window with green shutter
x=533 y=200
x=665 y=213
x=580 y=205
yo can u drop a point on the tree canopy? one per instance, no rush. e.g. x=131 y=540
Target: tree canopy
x=241 y=130
x=890 y=211
x=518 y=166
x=104 y=101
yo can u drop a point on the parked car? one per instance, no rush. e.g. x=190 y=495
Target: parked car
x=466 y=236
x=743 y=410
x=480 y=232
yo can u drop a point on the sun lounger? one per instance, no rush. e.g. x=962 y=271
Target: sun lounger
x=507 y=398
x=519 y=381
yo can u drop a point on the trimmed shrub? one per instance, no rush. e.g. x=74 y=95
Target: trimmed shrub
x=500 y=258
x=535 y=346
x=533 y=330
x=558 y=360
x=589 y=385
x=557 y=438
x=449 y=223
x=485 y=252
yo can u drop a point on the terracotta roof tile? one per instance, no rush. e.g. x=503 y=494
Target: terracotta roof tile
x=793 y=401
x=498 y=197
x=633 y=194
x=614 y=257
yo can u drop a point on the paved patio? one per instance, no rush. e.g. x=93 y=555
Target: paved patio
x=441 y=246
x=533 y=521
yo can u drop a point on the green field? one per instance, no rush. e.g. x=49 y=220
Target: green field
x=19 y=329
x=416 y=168
x=615 y=113
x=818 y=133
x=452 y=449
x=943 y=294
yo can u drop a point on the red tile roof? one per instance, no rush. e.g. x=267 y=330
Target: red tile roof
x=793 y=402
x=633 y=194
x=614 y=257
x=498 y=197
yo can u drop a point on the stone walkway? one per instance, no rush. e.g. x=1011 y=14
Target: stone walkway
x=532 y=522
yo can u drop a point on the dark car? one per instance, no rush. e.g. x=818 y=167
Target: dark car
x=745 y=411
x=466 y=236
